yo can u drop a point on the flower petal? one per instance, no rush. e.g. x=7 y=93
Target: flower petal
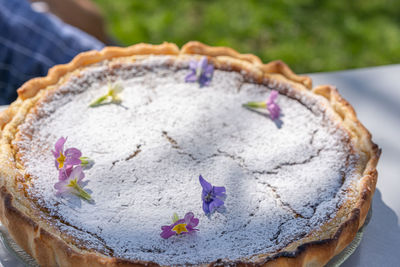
x=62 y=188
x=64 y=173
x=206 y=208
x=190 y=230
x=219 y=190
x=59 y=146
x=203 y=64
x=167 y=234
x=204 y=81
x=193 y=222
x=180 y=221
x=204 y=193
x=193 y=65
x=273 y=96
x=188 y=217
x=73 y=153
x=72 y=162
x=77 y=172
x=59 y=185
x=215 y=204
x=274 y=111
x=117 y=87
x=206 y=185
x=209 y=71
x=166 y=227
x=55 y=153
x=191 y=77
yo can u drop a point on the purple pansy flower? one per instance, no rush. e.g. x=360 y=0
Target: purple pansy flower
x=69 y=157
x=180 y=226
x=70 y=181
x=201 y=72
x=211 y=196
x=270 y=105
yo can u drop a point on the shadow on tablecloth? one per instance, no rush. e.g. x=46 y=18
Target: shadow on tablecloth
x=381 y=241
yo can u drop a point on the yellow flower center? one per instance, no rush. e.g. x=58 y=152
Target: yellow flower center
x=78 y=189
x=179 y=228
x=61 y=160
x=73 y=183
x=113 y=93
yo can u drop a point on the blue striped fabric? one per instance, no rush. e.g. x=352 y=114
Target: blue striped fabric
x=32 y=42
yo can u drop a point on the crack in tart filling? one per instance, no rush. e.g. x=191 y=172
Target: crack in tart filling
x=297 y=187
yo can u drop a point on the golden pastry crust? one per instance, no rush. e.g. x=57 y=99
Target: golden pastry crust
x=50 y=248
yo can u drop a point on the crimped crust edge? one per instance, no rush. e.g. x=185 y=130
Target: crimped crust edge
x=50 y=250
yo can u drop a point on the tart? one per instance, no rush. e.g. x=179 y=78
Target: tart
x=298 y=188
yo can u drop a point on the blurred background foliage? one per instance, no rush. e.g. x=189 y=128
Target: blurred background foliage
x=309 y=35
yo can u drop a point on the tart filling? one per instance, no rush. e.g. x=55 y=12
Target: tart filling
x=284 y=178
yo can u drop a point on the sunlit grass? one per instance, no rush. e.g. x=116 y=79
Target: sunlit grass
x=309 y=35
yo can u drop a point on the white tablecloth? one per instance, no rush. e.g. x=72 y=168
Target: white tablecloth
x=375 y=95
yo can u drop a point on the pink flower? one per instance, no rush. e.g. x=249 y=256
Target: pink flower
x=64 y=173
x=70 y=181
x=271 y=105
x=180 y=226
x=69 y=157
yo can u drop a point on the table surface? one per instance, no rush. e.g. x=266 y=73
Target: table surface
x=375 y=95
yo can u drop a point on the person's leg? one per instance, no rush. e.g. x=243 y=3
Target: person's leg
x=32 y=42
x=83 y=14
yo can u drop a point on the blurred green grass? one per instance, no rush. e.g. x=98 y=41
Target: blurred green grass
x=309 y=35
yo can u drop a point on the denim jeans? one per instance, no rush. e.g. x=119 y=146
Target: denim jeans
x=32 y=42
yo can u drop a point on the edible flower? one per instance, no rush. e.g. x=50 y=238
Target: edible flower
x=64 y=173
x=112 y=95
x=69 y=157
x=180 y=226
x=273 y=108
x=211 y=195
x=86 y=161
x=70 y=181
x=202 y=72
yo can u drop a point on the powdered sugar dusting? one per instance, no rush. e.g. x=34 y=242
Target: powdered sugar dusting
x=150 y=150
